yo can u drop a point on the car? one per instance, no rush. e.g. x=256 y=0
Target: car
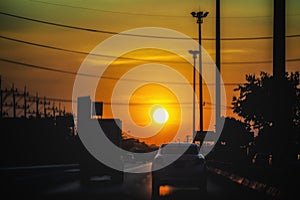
x=179 y=164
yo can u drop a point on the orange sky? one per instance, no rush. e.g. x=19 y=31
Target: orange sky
x=240 y=19
x=150 y=95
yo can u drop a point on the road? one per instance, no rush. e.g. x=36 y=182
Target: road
x=62 y=182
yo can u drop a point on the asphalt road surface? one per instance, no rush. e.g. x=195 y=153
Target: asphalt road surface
x=62 y=182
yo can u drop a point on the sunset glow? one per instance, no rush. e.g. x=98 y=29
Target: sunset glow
x=54 y=53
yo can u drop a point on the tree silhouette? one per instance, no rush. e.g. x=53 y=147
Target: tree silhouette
x=234 y=133
x=233 y=138
x=255 y=102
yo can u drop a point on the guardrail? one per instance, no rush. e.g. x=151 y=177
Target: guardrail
x=254 y=178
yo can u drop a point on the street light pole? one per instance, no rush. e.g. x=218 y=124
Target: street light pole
x=194 y=53
x=200 y=15
x=218 y=70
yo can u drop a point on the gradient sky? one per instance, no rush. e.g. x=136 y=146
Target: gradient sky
x=239 y=19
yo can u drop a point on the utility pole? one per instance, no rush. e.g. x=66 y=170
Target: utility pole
x=194 y=53
x=45 y=110
x=279 y=39
x=53 y=109
x=200 y=15
x=280 y=115
x=281 y=123
x=14 y=100
x=25 y=102
x=1 y=98
x=218 y=70
x=37 y=114
x=187 y=138
x=64 y=112
x=59 y=110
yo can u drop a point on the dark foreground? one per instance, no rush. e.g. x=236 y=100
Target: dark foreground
x=62 y=182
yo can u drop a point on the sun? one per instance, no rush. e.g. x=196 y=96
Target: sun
x=160 y=115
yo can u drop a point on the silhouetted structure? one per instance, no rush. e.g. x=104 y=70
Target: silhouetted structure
x=111 y=128
x=37 y=141
x=16 y=103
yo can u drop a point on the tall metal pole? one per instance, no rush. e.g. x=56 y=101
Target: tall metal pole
x=1 y=98
x=279 y=39
x=194 y=53
x=59 y=110
x=280 y=114
x=200 y=81
x=37 y=115
x=53 y=109
x=45 y=109
x=218 y=70
x=25 y=102
x=14 y=101
x=200 y=16
x=281 y=122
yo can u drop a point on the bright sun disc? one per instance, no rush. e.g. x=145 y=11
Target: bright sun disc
x=160 y=115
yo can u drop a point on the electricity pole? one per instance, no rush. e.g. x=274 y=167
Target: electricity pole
x=281 y=124
x=14 y=101
x=200 y=15
x=25 y=102
x=194 y=53
x=1 y=98
x=218 y=70
x=280 y=116
x=187 y=138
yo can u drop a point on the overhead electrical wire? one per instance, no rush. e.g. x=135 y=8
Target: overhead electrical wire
x=28 y=65
x=134 y=35
x=141 y=14
x=127 y=58
x=105 y=77
x=106 y=11
x=122 y=104
x=80 y=52
x=45 y=68
x=112 y=32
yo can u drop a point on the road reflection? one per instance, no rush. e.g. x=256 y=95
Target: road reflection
x=63 y=183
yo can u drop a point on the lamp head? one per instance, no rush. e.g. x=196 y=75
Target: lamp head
x=194 y=14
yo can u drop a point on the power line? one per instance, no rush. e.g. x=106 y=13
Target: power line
x=80 y=52
x=128 y=58
x=138 y=103
x=118 y=103
x=107 y=11
x=49 y=47
x=21 y=93
x=45 y=68
x=89 y=29
x=134 y=35
x=140 y=14
x=92 y=76
x=44 y=99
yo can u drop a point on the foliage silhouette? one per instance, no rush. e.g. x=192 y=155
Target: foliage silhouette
x=255 y=102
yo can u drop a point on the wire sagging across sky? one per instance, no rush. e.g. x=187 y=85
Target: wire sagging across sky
x=127 y=58
x=29 y=65
x=132 y=35
x=141 y=14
